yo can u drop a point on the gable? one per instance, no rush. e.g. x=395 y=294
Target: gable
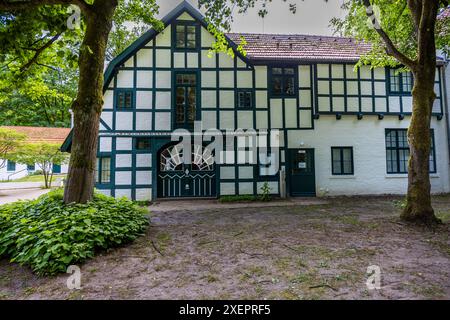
x=183 y=12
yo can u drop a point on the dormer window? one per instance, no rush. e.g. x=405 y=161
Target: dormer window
x=283 y=81
x=186 y=36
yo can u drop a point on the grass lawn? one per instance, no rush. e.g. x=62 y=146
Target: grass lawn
x=316 y=251
x=36 y=178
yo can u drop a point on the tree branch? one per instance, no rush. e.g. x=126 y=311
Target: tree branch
x=391 y=49
x=427 y=25
x=415 y=7
x=39 y=51
x=14 y=5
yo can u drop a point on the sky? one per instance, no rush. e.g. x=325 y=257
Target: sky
x=312 y=17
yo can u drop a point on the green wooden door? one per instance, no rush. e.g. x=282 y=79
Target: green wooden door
x=302 y=179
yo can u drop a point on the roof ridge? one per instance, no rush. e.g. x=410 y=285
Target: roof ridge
x=289 y=35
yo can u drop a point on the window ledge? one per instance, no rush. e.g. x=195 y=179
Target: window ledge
x=405 y=175
x=396 y=176
x=343 y=176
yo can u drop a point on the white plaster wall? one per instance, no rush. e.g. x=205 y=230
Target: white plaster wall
x=105 y=144
x=124 y=121
x=261 y=76
x=143 y=177
x=123 y=160
x=124 y=143
x=123 y=193
x=144 y=194
x=245 y=188
x=367 y=137
x=123 y=178
x=227 y=188
x=227 y=173
x=106 y=192
x=143 y=160
x=21 y=171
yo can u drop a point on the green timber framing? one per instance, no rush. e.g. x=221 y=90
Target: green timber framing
x=162 y=137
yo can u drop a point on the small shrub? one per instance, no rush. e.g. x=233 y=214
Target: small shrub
x=265 y=192
x=399 y=204
x=238 y=198
x=49 y=236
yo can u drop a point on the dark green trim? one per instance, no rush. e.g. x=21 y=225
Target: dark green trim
x=341 y=161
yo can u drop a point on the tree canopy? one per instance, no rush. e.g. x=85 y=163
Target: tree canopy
x=43 y=154
x=397 y=21
x=10 y=140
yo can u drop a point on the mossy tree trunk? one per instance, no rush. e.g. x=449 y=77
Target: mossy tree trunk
x=423 y=14
x=418 y=200
x=88 y=104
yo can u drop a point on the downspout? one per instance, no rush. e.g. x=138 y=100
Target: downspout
x=447 y=123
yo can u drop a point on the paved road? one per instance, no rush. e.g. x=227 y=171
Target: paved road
x=20 y=185
x=11 y=195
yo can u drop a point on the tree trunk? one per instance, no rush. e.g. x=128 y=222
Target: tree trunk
x=418 y=206
x=88 y=104
x=418 y=200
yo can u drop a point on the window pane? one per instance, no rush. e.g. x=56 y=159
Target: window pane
x=124 y=99
x=403 y=160
x=395 y=81
x=288 y=70
x=391 y=157
x=337 y=167
x=432 y=157
x=248 y=99
x=191 y=44
x=241 y=99
x=407 y=82
x=402 y=139
x=336 y=154
x=180 y=105
x=244 y=99
x=191 y=103
x=142 y=144
x=347 y=167
x=347 y=154
x=390 y=139
x=276 y=85
x=121 y=100
x=97 y=164
x=11 y=166
x=128 y=100
x=180 y=37
x=190 y=36
x=336 y=157
x=289 y=85
x=105 y=170
x=277 y=71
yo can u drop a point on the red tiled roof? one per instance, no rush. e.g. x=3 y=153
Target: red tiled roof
x=42 y=134
x=300 y=47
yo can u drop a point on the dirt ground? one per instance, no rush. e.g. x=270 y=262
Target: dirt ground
x=302 y=251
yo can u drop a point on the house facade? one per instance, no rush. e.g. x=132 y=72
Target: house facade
x=292 y=114
x=13 y=171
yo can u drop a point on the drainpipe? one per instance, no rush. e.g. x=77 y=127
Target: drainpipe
x=445 y=97
x=71 y=118
x=446 y=105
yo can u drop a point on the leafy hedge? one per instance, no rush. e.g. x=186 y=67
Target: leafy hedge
x=49 y=236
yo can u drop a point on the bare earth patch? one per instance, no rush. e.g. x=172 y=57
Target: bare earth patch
x=310 y=250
